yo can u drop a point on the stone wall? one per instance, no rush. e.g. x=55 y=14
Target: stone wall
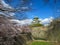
x=39 y=32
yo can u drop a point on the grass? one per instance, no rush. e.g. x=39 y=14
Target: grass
x=40 y=43
x=40 y=39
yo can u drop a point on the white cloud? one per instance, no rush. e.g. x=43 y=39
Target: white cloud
x=6 y=6
x=7 y=14
x=15 y=21
x=11 y=14
x=45 y=21
x=24 y=8
x=22 y=22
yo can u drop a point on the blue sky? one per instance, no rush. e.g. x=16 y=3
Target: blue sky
x=40 y=9
x=45 y=12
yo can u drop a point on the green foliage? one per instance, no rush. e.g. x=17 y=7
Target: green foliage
x=36 y=25
x=40 y=38
x=40 y=43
